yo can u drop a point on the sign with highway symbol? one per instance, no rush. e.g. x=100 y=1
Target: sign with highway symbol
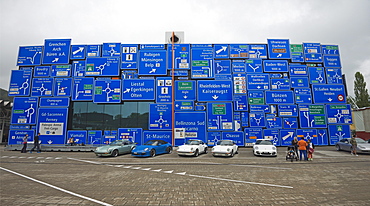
x=20 y=83
x=334 y=75
x=272 y=134
x=332 y=61
x=238 y=65
x=54 y=101
x=257 y=119
x=275 y=66
x=240 y=103
x=79 y=136
x=298 y=70
x=256 y=97
x=42 y=86
x=62 y=87
x=202 y=62
x=93 y=50
x=280 y=84
x=240 y=85
x=214 y=90
x=278 y=48
x=129 y=56
x=107 y=91
x=52 y=125
x=24 y=110
x=259 y=108
x=164 y=90
x=83 y=89
x=111 y=50
x=60 y=71
x=138 y=89
x=338 y=132
x=94 y=136
x=41 y=71
x=279 y=97
x=330 y=50
x=258 y=82
x=102 y=66
x=308 y=134
x=152 y=62
x=287 y=135
x=287 y=110
x=238 y=51
x=220 y=116
x=299 y=82
x=296 y=51
x=273 y=122
x=221 y=51
x=257 y=51
x=290 y=123
x=339 y=114
x=155 y=135
x=185 y=90
x=78 y=68
x=160 y=117
x=329 y=93
x=222 y=67
x=184 y=105
x=312 y=116
x=56 y=51
x=237 y=137
x=251 y=134
x=254 y=65
x=213 y=138
x=181 y=58
x=317 y=75
x=78 y=52
x=194 y=124
x=29 y=55
x=132 y=134
x=312 y=52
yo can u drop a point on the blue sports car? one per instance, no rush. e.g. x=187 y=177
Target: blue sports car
x=152 y=148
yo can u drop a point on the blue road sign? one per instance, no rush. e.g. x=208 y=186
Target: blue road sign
x=254 y=65
x=111 y=50
x=24 y=110
x=322 y=137
x=273 y=122
x=93 y=50
x=273 y=135
x=328 y=93
x=52 y=125
x=287 y=110
x=56 y=51
x=287 y=135
x=213 y=138
x=334 y=75
x=221 y=51
x=238 y=65
x=257 y=51
x=94 y=136
x=184 y=105
x=313 y=57
x=60 y=71
x=138 y=89
x=152 y=62
x=83 y=89
x=62 y=87
x=102 y=66
x=42 y=87
x=19 y=127
x=256 y=97
x=244 y=118
x=280 y=84
x=237 y=137
x=259 y=108
x=164 y=90
x=214 y=91
x=132 y=134
x=258 y=82
x=194 y=124
x=278 y=48
x=332 y=61
x=180 y=73
x=78 y=68
x=338 y=132
x=157 y=135
x=299 y=82
x=238 y=51
x=160 y=117
x=152 y=46
x=78 y=52
x=330 y=50
x=181 y=56
x=129 y=74
x=240 y=103
x=312 y=116
x=307 y=134
x=339 y=114
x=129 y=56
x=298 y=70
x=79 y=136
x=317 y=75
x=290 y=123
x=185 y=90
x=202 y=62
x=257 y=119
x=222 y=67
x=20 y=83
x=29 y=55
x=251 y=134
x=240 y=84
x=107 y=91
x=54 y=101
x=16 y=136
x=275 y=66
x=41 y=71
x=220 y=116
x=279 y=97
x=312 y=48
x=278 y=75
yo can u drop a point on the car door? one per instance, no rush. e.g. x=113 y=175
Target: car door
x=161 y=147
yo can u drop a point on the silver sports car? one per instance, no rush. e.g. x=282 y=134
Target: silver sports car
x=344 y=144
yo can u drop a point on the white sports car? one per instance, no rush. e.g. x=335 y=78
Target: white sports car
x=192 y=147
x=264 y=147
x=225 y=148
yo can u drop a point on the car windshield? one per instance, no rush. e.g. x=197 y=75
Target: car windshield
x=192 y=142
x=151 y=142
x=264 y=142
x=225 y=143
x=359 y=140
x=116 y=142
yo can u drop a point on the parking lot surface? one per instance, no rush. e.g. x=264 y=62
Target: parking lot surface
x=81 y=178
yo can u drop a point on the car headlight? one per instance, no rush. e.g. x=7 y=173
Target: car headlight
x=213 y=149
x=256 y=148
x=191 y=148
x=146 y=149
x=273 y=148
x=110 y=149
x=228 y=149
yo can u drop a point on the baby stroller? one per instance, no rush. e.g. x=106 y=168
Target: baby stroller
x=291 y=155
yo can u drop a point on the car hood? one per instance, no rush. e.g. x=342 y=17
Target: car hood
x=187 y=147
x=105 y=148
x=263 y=147
x=142 y=147
x=364 y=145
x=220 y=148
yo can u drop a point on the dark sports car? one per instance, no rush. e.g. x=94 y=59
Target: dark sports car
x=151 y=148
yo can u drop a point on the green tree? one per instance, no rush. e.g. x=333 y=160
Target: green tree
x=361 y=93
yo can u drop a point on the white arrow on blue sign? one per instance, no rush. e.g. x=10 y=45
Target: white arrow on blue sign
x=56 y=51
x=215 y=91
x=29 y=55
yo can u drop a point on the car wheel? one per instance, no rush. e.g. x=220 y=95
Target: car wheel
x=132 y=148
x=232 y=153
x=169 y=150
x=152 y=153
x=115 y=153
x=196 y=153
x=337 y=147
x=205 y=150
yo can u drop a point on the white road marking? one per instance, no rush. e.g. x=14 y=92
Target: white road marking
x=157 y=170
x=57 y=188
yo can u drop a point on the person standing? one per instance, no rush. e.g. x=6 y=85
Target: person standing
x=310 y=150
x=295 y=144
x=302 y=146
x=24 y=148
x=354 y=145
x=36 y=143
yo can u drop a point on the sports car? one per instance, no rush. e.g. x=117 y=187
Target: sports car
x=115 y=148
x=192 y=147
x=225 y=148
x=264 y=147
x=151 y=148
x=344 y=144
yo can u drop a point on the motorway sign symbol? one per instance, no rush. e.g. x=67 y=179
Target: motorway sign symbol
x=279 y=97
x=138 y=89
x=328 y=93
x=160 y=117
x=278 y=48
x=111 y=50
x=56 y=51
x=339 y=113
x=83 y=89
x=62 y=87
x=29 y=55
x=24 y=110
x=275 y=66
x=20 y=83
x=78 y=52
x=182 y=56
x=214 y=90
x=102 y=66
x=164 y=90
x=257 y=51
x=42 y=86
x=107 y=91
x=312 y=116
x=338 y=132
x=185 y=90
x=220 y=116
x=129 y=56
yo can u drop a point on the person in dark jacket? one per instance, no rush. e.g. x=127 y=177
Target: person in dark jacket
x=24 y=148
x=36 y=143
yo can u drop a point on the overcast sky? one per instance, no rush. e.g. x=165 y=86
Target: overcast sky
x=342 y=22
